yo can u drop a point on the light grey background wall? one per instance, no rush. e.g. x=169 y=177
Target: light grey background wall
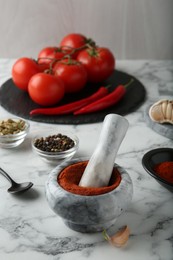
x=133 y=29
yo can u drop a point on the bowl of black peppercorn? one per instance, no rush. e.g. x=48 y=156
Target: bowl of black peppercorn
x=55 y=147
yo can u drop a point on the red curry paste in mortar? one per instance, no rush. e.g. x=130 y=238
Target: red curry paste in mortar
x=69 y=179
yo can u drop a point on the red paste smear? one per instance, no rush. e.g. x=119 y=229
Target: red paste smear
x=70 y=177
x=165 y=170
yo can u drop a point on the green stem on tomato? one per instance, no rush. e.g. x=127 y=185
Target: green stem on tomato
x=89 y=44
x=93 y=52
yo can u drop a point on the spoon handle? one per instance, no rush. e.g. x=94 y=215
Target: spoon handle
x=6 y=176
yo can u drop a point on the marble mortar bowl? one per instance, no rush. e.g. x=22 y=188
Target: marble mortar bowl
x=88 y=214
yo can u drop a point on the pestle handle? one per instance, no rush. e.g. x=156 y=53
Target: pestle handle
x=100 y=166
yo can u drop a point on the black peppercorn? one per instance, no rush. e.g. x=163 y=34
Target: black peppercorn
x=54 y=143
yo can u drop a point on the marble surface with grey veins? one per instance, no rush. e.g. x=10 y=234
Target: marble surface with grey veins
x=29 y=229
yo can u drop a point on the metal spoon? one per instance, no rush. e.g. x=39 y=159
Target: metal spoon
x=16 y=187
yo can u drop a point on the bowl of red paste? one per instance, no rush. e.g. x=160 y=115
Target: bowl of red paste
x=159 y=164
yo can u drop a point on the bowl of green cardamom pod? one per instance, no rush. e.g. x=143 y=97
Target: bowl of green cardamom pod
x=13 y=132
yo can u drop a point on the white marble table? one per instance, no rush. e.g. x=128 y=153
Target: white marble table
x=30 y=230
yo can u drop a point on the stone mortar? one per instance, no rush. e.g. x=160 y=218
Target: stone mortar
x=88 y=213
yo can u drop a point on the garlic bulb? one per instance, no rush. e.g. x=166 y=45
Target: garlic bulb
x=120 y=238
x=162 y=111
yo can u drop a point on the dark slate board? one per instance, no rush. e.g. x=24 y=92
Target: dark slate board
x=18 y=102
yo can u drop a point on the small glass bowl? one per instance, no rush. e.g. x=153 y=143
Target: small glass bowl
x=155 y=156
x=56 y=157
x=14 y=140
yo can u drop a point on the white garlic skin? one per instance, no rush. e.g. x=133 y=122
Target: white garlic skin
x=162 y=111
x=120 y=238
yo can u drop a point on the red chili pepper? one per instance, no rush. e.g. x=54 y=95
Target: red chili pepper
x=71 y=107
x=105 y=102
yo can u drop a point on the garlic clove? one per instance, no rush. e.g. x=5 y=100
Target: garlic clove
x=164 y=107
x=120 y=238
x=169 y=110
x=162 y=111
x=156 y=111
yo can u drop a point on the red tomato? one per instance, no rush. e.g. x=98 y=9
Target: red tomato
x=22 y=70
x=73 y=40
x=47 y=55
x=72 y=73
x=45 y=89
x=99 y=63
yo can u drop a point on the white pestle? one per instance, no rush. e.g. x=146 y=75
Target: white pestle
x=100 y=166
